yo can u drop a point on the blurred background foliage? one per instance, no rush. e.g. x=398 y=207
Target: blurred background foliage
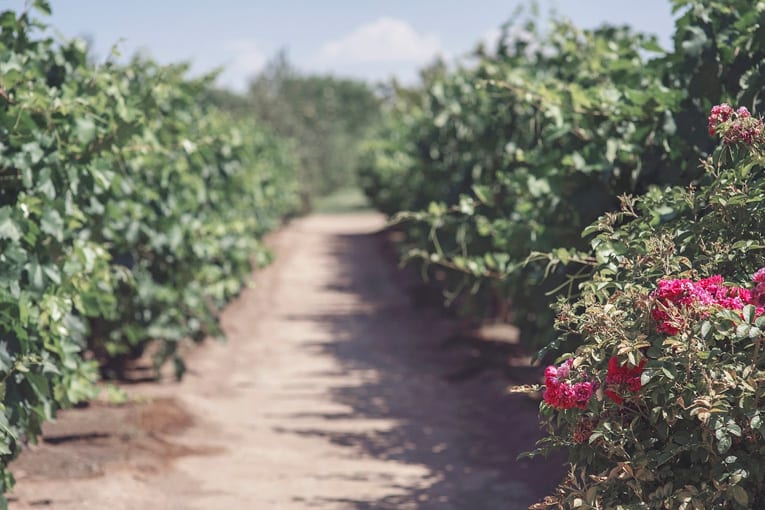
x=326 y=117
x=495 y=166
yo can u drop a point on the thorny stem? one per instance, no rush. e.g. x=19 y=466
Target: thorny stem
x=755 y=360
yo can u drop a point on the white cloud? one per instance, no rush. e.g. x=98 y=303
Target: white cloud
x=384 y=40
x=245 y=60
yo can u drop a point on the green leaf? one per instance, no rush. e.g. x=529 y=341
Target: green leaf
x=749 y=312
x=43 y=6
x=33 y=152
x=667 y=373
x=85 y=130
x=52 y=224
x=8 y=228
x=6 y=362
x=695 y=41
x=35 y=274
x=723 y=443
x=739 y=495
x=669 y=127
x=742 y=331
x=652 y=45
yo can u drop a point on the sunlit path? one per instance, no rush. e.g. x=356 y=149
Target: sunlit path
x=330 y=394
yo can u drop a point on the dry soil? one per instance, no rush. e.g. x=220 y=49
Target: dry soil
x=334 y=391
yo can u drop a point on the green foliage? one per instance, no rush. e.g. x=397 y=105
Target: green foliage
x=498 y=172
x=129 y=213
x=494 y=164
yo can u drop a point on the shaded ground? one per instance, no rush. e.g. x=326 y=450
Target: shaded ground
x=333 y=392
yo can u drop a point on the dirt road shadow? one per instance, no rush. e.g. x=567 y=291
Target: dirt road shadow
x=450 y=413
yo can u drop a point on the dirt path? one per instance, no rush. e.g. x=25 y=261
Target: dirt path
x=332 y=393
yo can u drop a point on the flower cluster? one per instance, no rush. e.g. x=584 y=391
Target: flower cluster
x=673 y=296
x=719 y=114
x=561 y=393
x=622 y=378
x=736 y=127
x=675 y=299
x=732 y=298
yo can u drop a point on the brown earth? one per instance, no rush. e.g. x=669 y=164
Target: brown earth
x=333 y=392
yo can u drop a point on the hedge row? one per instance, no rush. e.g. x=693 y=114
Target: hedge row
x=130 y=213
x=495 y=169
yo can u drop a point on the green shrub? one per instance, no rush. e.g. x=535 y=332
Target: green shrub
x=129 y=213
x=518 y=154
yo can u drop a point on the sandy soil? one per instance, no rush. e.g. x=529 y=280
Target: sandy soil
x=333 y=392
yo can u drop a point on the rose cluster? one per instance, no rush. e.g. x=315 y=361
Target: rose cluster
x=562 y=393
x=736 y=126
x=676 y=299
x=621 y=379
x=719 y=114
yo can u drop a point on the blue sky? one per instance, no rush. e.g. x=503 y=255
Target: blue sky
x=369 y=39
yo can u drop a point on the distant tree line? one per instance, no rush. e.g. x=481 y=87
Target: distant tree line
x=325 y=116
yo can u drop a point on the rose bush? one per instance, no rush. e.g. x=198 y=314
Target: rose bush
x=672 y=325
